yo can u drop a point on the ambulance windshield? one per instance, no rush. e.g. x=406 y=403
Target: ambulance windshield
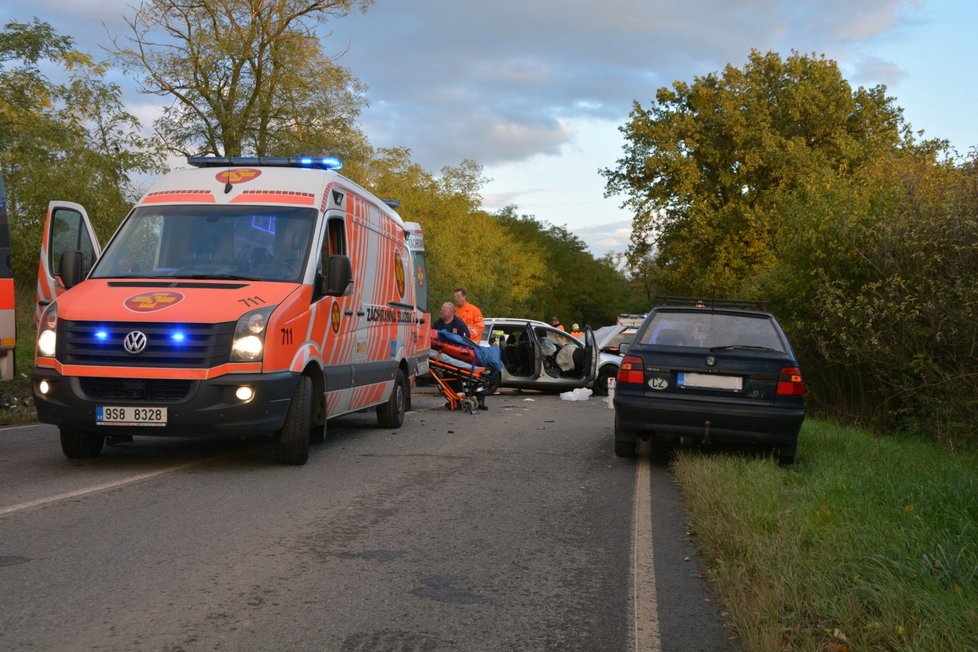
x=260 y=243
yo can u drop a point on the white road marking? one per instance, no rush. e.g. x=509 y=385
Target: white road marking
x=643 y=580
x=84 y=491
x=26 y=425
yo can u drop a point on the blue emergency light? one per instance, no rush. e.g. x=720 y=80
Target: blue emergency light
x=311 y=162
x=101 y=335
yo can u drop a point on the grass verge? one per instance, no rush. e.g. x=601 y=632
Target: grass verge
x=866 y=543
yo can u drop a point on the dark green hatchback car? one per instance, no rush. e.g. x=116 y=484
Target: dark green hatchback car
x=703 y=371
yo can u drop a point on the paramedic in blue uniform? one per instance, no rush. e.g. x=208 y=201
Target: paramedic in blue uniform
x=449 y=322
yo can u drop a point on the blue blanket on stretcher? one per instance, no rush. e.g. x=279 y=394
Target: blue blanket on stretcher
x=485 y=356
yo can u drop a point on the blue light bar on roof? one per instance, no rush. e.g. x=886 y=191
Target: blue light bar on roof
x=312 y=162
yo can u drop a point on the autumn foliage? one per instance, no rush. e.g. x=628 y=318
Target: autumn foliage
x=780 y=181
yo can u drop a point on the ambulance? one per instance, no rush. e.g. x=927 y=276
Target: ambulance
x=239 y=297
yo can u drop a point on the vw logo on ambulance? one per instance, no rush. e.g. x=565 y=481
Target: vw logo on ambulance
x=135 y=342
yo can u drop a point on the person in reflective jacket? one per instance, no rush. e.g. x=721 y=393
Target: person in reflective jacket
x=468 y=313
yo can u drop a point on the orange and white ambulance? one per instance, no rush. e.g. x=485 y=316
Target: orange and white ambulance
x=240 y=296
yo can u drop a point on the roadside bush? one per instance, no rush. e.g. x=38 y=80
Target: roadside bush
x=877 y=283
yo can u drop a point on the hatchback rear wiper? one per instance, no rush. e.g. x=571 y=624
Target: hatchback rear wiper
x=744 y=347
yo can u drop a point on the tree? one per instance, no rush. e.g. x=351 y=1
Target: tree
x=245 y=76
x=578 y=287
x=466 y=247
x=73 y=140
x=707 y=164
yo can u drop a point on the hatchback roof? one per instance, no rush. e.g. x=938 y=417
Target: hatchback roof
x=701 y=302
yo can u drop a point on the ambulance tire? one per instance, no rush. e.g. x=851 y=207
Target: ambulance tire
x=293 y=438
x=81 y=445
x=391 y=413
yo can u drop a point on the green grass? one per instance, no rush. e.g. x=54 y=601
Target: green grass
x=867 y=543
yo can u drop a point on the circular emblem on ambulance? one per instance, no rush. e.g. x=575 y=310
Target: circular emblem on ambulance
x=334 y=318
x=399 y=274
x=151 y=301
x=135 y=342
x=238 y=175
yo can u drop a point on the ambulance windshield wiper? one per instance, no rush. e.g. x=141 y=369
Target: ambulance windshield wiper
x=223 y=277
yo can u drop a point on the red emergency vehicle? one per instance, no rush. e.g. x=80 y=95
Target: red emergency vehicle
x=240 y=296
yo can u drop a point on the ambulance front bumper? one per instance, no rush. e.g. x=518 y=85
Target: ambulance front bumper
x=193 y=407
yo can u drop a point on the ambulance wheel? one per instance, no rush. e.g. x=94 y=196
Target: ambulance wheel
x=391 y=413
x=293 y=438
x=80 y=445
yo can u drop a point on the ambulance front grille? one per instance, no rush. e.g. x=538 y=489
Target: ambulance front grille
x=167 y=344
x=161 y=390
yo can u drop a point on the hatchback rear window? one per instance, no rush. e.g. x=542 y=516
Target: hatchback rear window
x=712 y=330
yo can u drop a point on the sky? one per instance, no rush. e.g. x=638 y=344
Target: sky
x=536 y=90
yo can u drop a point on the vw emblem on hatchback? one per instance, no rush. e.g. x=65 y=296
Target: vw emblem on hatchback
x=135 y=342
x=711 y=361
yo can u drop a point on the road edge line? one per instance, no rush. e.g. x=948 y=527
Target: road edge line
x=105 y=486
x=646 y=612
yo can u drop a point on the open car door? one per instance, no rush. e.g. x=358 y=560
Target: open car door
x=66 y=228
x=590 y=354
x=532 y=338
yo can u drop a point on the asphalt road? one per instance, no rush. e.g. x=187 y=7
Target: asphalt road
x=512 y=529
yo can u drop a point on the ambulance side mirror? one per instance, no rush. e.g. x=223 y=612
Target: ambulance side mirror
x=338 y=280
x=623 y=347
x=70 y=268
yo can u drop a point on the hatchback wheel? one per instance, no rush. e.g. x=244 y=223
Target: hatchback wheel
x=625 y=441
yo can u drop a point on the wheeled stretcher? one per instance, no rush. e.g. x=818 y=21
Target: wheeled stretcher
x=454 y=366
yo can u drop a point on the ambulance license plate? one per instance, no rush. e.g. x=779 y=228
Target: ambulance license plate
x=130 y=416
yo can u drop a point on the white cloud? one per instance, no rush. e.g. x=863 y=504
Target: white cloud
x=492 y=81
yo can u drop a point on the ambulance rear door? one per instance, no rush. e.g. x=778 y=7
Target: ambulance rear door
x=422 y=318
x=66 y=228
x=8 y=321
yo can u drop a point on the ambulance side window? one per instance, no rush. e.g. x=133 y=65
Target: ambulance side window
x=335 y=238
x=334 y=244
x=68 y=233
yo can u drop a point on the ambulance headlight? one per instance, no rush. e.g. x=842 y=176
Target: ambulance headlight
x=47 y=332
x=249 y=335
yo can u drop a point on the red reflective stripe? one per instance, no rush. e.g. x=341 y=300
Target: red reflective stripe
x=275 y=196
x=7 y=300
x=199 y=196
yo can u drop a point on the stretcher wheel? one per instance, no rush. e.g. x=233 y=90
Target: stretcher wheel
x=468 y=404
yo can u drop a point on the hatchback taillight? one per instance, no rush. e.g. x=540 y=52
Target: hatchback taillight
x=790 y=382
x=631 y=370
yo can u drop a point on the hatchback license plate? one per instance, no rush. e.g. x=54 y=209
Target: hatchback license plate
x=711 y=381
x=130 y=416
